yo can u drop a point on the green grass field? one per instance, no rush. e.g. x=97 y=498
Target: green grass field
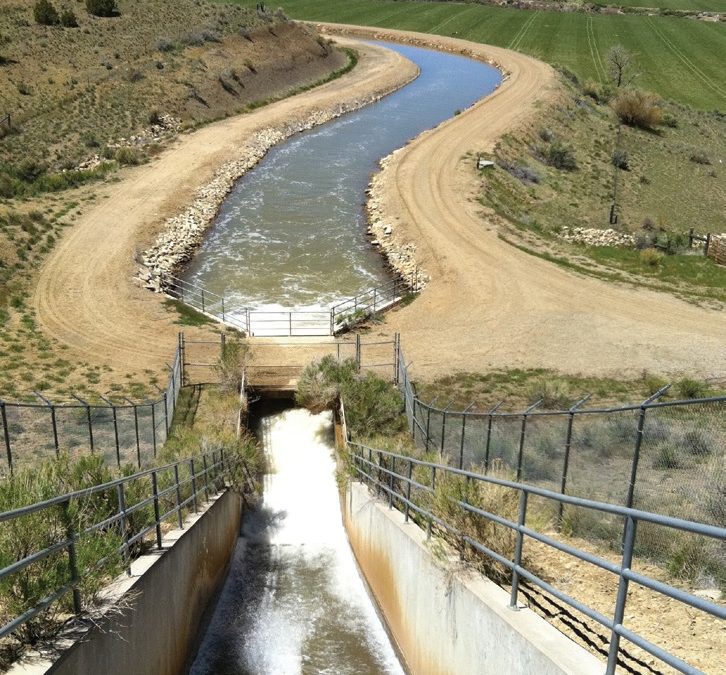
x=680 y=59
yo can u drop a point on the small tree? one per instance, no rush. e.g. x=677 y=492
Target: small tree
x=101 y=7
x=621 y=66
x=45 y=14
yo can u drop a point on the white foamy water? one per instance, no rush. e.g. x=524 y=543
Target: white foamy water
x=294 y=601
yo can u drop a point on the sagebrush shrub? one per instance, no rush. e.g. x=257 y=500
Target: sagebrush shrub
x=45 y=14
x=620 y=159
x=68 y=19
x=559 y=156
x=102 y=7
x=638 y=108
x=651 y=257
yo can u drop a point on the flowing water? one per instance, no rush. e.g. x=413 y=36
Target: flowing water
x=292 y=233
x=293 y=601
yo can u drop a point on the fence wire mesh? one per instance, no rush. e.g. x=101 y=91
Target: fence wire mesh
x=128 y=433
x=663 y=457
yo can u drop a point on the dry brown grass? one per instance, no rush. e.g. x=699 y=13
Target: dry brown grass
x=638 y=108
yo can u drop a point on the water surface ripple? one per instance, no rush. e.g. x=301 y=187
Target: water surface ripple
x=292 y=231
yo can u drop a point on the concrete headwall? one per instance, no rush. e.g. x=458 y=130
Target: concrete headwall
x=444 y=621
x=167 y=595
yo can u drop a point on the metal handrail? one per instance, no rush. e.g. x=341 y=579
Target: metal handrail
x=365 y=467
x=244 y=317
x=203 y=478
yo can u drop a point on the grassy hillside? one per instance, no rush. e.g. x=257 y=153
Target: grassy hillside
x=672 y=180
x=112 y=91
x=680 y=59
x=78 y=94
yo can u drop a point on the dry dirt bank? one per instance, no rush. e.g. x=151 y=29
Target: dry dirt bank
x=491 y=305
x=85 y=297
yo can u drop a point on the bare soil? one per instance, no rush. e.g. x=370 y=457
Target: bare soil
x=490 y=305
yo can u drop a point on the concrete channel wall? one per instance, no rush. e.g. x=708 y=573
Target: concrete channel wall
x=160 y=607
x=446 y=621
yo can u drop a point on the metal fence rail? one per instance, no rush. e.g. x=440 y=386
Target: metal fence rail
x=123 y=432
x=409 y=484
x=281 y=363
x=290 y=322
x=133 y=510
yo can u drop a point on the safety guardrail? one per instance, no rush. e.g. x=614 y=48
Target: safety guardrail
x=341 y=316
x=399 y=478
x=162 y=494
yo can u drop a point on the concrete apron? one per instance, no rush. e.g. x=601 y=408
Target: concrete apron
x=444 y=620
x=150 y=619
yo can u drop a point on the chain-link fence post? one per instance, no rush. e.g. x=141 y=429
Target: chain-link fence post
x=89 y=421
x=6 y=436
x=53 y=421
x=566 y=461
x=487 y=446
x=114 y=417
x=639 y=443
x=522 y=437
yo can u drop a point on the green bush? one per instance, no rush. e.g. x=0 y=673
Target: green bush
x=697 y=442
x=45 y=14
x=667 y=458
x=29 y=534
x=68 y=19
x=128 y=156
x=450 y=490
x=651 y=257
x=102 y=7
x=690 y=388
x=372 y=405
x=231 y=365
x=598 y=92
x=554 y=393
x=7 y=186
x=559 y=156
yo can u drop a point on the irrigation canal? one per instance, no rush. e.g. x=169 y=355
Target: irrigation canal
x=292 y=233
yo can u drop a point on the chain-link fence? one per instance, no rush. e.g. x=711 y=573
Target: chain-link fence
x=663 y=457
x=123 y=433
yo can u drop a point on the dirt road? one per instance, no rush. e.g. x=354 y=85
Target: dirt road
x=85 y=296
x=491 y=305
x=488 y=304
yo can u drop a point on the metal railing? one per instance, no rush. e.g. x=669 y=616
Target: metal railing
x=350 y=311
x=161 y=494
x=270 y=364
x=123 y=432
x=401 y=479
x=290 y=322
